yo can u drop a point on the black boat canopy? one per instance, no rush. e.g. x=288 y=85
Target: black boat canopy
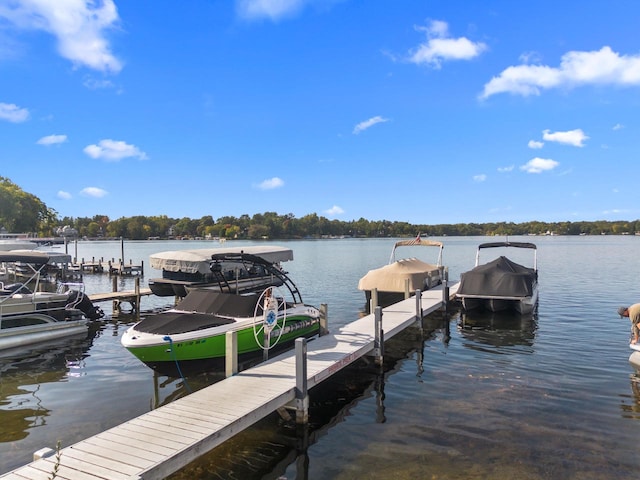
x=508 y=244
x=500 y=277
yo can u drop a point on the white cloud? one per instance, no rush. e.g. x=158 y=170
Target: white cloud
x=335 y=210
x=534 y=144
x=618 y=126
x=602 y=67
x=98 y=84
x=506 y=169
x=539 y=165
x=272 y=9
x=362 y=126
x=440 y=47
x=78 y=25
x=94 y=192
x=479 y=178
x=52 y=140
x=114 y=150
x=271 y=183
x=63 y=195
x=571 y=137
x=13 y=113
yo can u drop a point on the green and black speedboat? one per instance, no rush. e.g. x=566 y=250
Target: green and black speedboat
x=191 y=337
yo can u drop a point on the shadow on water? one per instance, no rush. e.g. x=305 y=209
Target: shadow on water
x=275 y=445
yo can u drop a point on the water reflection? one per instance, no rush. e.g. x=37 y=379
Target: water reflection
x=630 y=405
x=498 y=329
x=23 y=374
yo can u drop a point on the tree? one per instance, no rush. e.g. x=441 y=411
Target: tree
x=23 y=212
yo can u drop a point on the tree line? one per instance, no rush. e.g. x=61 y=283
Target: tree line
x=271 y=225
x=22 y=212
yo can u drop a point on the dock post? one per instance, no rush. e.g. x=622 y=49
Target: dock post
x=373 y=303
x=418 y=305
x=302 y=395
x=407 y=294
x=231 y=353
x=445 y=293
x=419 y=310
x=116 y=304
x=445 y=289
x=324 y=319
x=378 y=343
x=121 y=251
x=137 y=292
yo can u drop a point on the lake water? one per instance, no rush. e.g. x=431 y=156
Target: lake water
x=551 y=396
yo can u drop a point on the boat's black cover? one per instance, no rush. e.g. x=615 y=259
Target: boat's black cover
x=200 y=310
x=172 y=323
x=203 y=300
x=500 y=277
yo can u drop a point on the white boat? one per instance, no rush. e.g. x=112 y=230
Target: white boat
x=29 y=316
x=500 y=284
x=7 y=244
x=183 y=269
x=406 y=275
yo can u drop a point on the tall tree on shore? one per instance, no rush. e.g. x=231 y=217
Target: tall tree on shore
x=22 y=212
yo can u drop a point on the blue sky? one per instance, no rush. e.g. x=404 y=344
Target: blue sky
x=429 y=112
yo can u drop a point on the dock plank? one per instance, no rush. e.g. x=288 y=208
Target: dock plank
x=114 y=452
x=160 y=442
x=119 y=295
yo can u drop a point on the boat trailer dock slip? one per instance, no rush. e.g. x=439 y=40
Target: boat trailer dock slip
x=162 y=441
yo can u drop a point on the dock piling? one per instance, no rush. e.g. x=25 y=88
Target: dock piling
x=231 y=357
x=324 y=319
x=378 y=343
x=115 y=306
x=373 y=303
x=302 y=395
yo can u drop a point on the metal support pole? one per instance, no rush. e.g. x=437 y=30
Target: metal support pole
x=378 y=343
x=302 y=395
x=445 y=294
x=407 y=293
x=266 y=341
x=121 y=251
x=231 y=353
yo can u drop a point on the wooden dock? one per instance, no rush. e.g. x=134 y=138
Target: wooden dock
x=132 y=297
x=164 y=440
x=111 y=267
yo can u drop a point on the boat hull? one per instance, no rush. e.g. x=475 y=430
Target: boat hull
x=634 y=358
x=522 y=305
x=46 y=330
x=198 y=351
x=165 y=287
